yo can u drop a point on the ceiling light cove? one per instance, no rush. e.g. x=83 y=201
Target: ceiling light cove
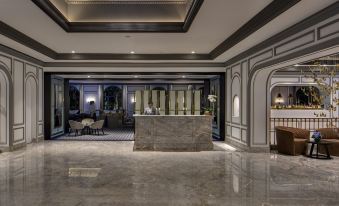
x=126 y=2
x=122 y=15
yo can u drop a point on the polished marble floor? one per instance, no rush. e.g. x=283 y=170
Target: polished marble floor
x=110 y=173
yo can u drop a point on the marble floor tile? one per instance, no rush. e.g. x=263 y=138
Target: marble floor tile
x=78 y=173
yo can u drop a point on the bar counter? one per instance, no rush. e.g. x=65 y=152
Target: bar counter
x=173 y=133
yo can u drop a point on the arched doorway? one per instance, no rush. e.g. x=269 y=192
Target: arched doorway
x=31 y=109
x=5 y=88
x=259 y=87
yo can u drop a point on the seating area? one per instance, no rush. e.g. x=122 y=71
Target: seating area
x=330 y=135
x=294 y=141
x=86 y=126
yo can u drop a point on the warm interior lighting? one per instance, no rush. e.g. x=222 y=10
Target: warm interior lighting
x=90 y=99
x=183 y=76
x=279 y=99
x=73 y=52
x=193 y=52
x=89 y=76
x=132 y=52
x=133 y=100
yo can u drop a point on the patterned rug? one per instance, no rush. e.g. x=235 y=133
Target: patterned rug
x=119 y=134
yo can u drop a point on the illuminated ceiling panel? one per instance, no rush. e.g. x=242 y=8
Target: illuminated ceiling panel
x=122 y=15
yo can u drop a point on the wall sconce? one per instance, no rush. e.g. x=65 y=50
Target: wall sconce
x=90 y=99
x=133 y=100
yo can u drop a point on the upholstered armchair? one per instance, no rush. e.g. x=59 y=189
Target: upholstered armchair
x=292 y=141
x=330 y=135
x=75 y=127
x=96 y=126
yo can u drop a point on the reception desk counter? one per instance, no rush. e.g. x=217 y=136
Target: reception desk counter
x=173 y=133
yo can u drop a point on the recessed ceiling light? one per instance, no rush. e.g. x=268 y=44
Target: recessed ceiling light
x=132 y=52
x=89 y=76
x=135 y=76
x=73 y=52
x=183 y=76
x=193 y=52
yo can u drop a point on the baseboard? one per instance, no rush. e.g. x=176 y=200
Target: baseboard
x=18 y=146
x=244 y=147
x=238 y=145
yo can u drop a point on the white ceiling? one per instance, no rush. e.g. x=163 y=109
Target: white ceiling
x=216 y=20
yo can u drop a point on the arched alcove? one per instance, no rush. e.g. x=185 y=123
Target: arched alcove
x=236 y=106
x=6 y=111
x=31 y=117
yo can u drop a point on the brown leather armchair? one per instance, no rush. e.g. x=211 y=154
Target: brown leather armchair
x=330 y=135
x=291 y=141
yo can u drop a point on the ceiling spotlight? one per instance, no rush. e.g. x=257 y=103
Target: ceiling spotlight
x=135 y=76
x=193 y=52
x=89 y=76
x=132 y=52
x=73 y=52
x=183 y=76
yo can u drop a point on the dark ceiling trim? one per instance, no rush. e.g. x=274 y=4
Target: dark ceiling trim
x=149 y=65
x=23 y=39
x=21 y=55
x=266 y=15
x=296 y=28
x=60 y=19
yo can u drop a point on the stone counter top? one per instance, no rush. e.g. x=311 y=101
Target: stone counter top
x=173 y=133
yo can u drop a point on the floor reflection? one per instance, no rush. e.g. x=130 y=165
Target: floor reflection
x=110 y=173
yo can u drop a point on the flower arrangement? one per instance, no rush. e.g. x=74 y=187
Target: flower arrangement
x=316 y=136
x=212 y=99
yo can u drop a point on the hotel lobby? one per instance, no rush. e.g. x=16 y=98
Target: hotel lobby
x=169 y=102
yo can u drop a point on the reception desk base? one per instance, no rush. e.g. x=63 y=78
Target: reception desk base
x=173 y=133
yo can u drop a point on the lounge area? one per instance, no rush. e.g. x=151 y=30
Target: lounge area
x=169 y=102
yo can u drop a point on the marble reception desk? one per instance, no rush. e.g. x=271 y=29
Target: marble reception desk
x=173 y=133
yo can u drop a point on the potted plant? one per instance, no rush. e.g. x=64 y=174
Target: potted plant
x=208 y=110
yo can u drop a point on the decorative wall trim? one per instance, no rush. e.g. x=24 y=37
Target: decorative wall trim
x=10 y=117
x=20 y=55
x=295 y=45
x=23 y=39
x=23 y=90
x=332 y=23
x=266 y=15
x=60 y=19
x=316 y=18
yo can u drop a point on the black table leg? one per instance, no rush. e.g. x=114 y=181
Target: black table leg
x=327 y=151
x=311 y=150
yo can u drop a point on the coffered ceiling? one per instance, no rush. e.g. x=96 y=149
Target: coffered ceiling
x=123 y=11
x=220 y=30
x=121 y=16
